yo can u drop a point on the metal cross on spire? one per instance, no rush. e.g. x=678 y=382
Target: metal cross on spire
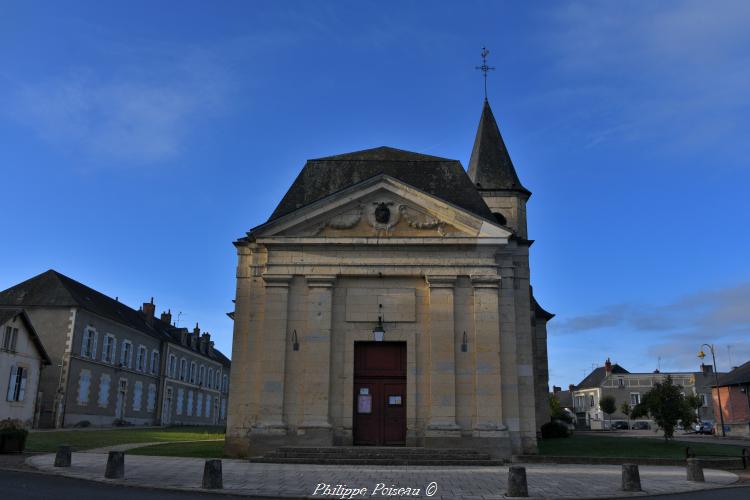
x=485 y=69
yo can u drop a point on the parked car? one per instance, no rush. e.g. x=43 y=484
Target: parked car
x=704 y=427
x=641 y=426
x=620 y=425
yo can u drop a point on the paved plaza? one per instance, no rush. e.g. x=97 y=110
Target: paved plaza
x=285 y=480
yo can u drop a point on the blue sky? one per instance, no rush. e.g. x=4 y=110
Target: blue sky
x=141 y=138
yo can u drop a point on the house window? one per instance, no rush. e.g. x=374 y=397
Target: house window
x=217 y=380
x=108 y=348
x=17 y=383
x=208 y=405
x=183 y=369
x=210 y=381
x=202 y=375
x=704 y=400
x=126 y=354
x=10 y=338
x=104 y=383
x=591 y=401
x=225 y=386
x=88 y=347
x=172 y=366
x=84 y=383
x=621 y=382
x=137 y=395
x=180 y=399
x=154 y=362
x=151 y=400
x=190 y=404
x=635 y=398
x=223 y=408
x=140 y=360
x=192 y=372
x=199 y=405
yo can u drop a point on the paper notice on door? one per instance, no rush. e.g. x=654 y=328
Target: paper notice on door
x=364 y=403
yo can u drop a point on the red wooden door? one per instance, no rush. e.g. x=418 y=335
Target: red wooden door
x=380 y=393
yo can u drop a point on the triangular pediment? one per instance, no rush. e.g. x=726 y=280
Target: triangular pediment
x=382 y=208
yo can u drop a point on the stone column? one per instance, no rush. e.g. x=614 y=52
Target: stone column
x=273 y=345
x=487 y=375
x=508 y=354
x=442 y=344
x=315 y=347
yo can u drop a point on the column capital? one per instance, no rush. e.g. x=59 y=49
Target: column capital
x=277 y=280
x=491 y=281
x=443 y=281
x=320 y=280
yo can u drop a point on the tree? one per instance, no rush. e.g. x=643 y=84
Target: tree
x=626 y=410
x=556 y=411
x=667 y=406
x=608 y=405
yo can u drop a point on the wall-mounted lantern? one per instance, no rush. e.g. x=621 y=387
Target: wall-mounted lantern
x=378 y=333
x=295 y=341
x=464 y=344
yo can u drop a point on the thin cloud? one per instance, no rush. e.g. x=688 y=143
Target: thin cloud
x=139 y=114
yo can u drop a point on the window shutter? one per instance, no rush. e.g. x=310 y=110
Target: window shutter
x=12 y=383
x=93 y=346
x=22 y=390
x=14 y=340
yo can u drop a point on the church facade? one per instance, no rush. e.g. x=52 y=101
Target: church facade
x=387 y=302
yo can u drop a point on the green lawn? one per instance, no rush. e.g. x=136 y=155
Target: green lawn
x=616 y=447
x=200 y=449
x=87 y=439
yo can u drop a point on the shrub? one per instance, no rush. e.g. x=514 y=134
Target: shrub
x=555 y=429
x=12 y=436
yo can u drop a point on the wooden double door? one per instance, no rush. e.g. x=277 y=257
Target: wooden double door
x=380 y=393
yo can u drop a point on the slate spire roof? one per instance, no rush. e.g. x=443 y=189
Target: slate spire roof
x=441 y=177
x=490 y=166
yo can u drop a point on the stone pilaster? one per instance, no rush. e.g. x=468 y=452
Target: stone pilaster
x=274 y=343
x=487 y=374
x=315 y=350
x=508 y=354
x=442 y=343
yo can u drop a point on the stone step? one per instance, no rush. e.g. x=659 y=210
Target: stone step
x=477 y=456
x=380 y=461
x=347 y=450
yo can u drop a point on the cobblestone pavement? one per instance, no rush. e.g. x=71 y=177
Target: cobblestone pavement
x=469 y=483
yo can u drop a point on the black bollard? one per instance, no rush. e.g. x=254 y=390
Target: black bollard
x=695 y=470
x=115 y=465
x=212 y=479
x=63 y=456
x=517 y=486
x=631 y=478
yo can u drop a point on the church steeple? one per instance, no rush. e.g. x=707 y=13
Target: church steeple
x=494 y=176
x=490 y=166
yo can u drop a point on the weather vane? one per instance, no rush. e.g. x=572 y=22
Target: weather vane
x=484 y=68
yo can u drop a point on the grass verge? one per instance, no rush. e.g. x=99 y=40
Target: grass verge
x=624 y=447
x=88 y=439
x=198 y=449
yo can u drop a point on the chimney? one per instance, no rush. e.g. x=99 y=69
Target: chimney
x=184 y=336
x=166 y=317
x=211 y=348
x=706 y=369
x=149 y=309
x=194 y=337
x=571 y=387
x=608 y=366
x=203 y=343
x=556 y=389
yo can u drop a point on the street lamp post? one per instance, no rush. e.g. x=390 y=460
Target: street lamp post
x=702 y=355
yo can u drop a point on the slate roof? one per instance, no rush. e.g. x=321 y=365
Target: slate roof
x=53 y=289
x=595 y=378
x=441 y=177
x=490 y=166
x=7 y=314
x=738 y=376
x=565 y=398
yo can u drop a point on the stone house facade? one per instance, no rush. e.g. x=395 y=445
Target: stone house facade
x=387 y=301
x=108 y=359
x=614 y=380
x=22 y=358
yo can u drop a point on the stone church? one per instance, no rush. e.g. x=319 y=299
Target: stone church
x=387 y=302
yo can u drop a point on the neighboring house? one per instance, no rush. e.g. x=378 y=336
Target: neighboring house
x=613 y=379
x=734 y=388
x=22 y=357
x=109 y=358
